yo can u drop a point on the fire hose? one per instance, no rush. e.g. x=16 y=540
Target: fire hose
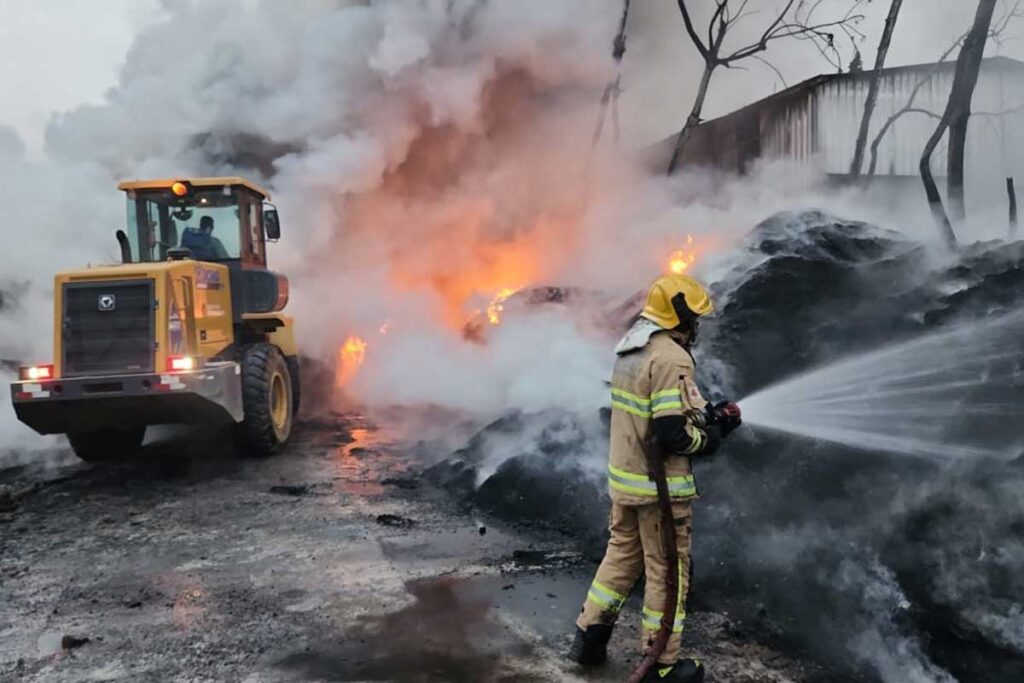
x=727 y=416
x=656 y=470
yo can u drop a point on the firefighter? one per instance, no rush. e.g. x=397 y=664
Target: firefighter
x=657 y=406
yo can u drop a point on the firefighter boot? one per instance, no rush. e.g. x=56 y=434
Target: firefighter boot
x=590 y=647
x=684 y=671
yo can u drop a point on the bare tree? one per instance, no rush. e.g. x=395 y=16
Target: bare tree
x=959 y=124
x=876 y=81
x=795 y=19
x=996 y=35
x=955 y=120
x=909 y=107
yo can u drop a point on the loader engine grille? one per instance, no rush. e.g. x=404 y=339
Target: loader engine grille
x=108 y=327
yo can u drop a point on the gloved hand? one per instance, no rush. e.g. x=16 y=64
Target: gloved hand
x=726 y=415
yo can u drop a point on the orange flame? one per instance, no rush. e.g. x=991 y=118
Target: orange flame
x=681 y=259
x=482 y=208
x=497 y=305
x=350 y=358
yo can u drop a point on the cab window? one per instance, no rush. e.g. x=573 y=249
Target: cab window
x=206 y=222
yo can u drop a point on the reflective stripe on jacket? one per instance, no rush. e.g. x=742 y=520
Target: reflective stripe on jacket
x=650 y=380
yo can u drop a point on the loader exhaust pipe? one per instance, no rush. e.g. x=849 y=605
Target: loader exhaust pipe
x=126 y=247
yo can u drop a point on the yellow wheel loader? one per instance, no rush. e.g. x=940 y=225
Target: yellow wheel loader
x=187 y=329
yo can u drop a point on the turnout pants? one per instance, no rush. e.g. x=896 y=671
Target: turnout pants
x=635 y=548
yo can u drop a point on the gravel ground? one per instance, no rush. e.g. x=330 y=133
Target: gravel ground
x=330 y=562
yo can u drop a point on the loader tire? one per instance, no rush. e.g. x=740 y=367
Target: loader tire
x=267 y=401
x=293 y=370
x=107 y=445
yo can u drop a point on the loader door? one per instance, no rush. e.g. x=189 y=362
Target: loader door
x=250 y=209
x=254 y=288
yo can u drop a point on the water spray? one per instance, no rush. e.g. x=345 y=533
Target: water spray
x=955 y=393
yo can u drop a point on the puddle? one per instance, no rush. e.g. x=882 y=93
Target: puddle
x=447 y=634
x=371 y=457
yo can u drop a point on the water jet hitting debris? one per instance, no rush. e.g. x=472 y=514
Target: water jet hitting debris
x=945 y=395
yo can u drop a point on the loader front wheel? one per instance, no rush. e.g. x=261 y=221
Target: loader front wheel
x=267 y=400
x=107 y=445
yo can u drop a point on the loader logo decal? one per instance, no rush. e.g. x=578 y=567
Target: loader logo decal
x=106 y=302
x=207 y=278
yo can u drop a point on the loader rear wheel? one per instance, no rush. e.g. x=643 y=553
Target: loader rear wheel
x=107 y=445
x=293 y=368
x=267 y=400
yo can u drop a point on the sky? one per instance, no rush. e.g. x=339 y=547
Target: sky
x=70 y=53
x=59 y=54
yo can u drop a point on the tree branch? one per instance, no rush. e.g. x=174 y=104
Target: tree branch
x=996 y=30
x=999 y=114
x=773 y=68
x=789 y=30
x=909 y=106
x=791 y=19
x=692 y=31
x=716 y=17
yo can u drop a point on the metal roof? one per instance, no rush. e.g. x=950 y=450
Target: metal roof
x=815 y=82
x=655 y=154
x=216 y=181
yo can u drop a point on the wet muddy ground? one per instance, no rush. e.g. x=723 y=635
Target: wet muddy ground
x=331 y=562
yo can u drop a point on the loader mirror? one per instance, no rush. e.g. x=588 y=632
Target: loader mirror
x=271 y=223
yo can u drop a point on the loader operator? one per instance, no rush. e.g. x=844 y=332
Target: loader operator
x=203 y=245
x=657 y=411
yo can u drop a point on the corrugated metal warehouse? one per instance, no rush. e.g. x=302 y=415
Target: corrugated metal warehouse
x=815 y=123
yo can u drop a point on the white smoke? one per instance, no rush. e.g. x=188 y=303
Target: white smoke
x=397 y=137
x=881 y=643
x=345 y=88
x=19 y=444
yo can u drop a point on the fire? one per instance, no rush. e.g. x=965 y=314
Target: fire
x=681 y=259
x=472 y=276
x=497 y=305
x=350 y=358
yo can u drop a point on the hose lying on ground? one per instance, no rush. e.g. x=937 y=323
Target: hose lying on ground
x=656 y=468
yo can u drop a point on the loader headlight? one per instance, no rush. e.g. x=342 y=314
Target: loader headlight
x=34 y=373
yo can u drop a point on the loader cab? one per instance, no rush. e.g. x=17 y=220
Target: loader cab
x=221 y=220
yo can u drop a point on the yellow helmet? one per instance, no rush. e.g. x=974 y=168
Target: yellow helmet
x=672 y=294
